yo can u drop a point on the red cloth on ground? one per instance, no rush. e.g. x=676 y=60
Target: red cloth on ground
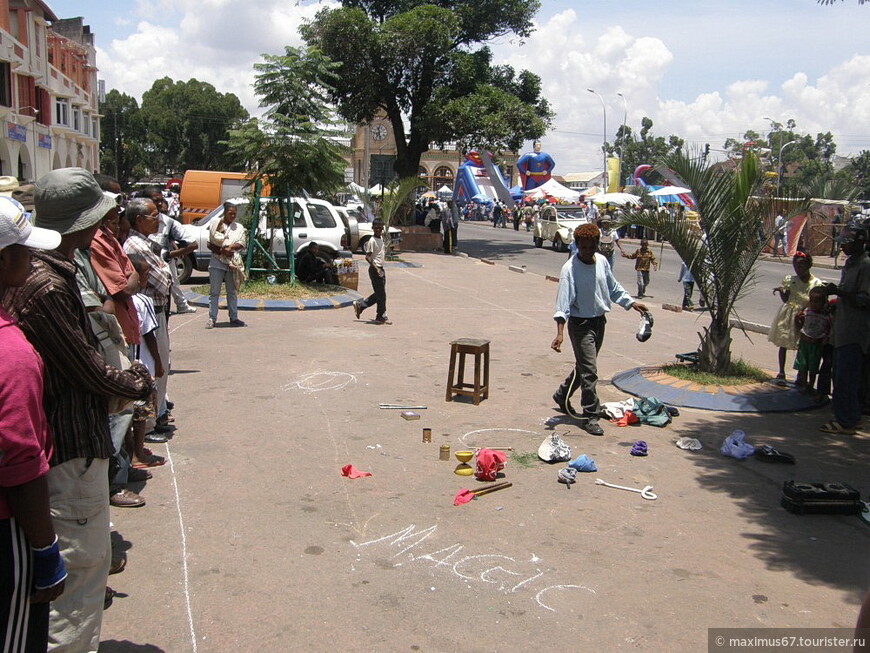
x=352 y=472
x=463 y=496
x=627 y=418
x=489 y=464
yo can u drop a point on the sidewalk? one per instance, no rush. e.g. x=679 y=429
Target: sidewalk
x=252 y=541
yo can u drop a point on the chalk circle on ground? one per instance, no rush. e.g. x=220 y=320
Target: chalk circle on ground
x=462 y=438
x=320 y=381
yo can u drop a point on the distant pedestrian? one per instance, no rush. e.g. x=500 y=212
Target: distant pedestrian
x=780 y=225
x=226 y=240
x=375 y=254
x=643 y=258
x=609 y=241
x=836 y=222
x=794 y=293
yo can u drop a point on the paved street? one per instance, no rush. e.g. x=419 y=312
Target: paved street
x=758 y=306
x=252 y=541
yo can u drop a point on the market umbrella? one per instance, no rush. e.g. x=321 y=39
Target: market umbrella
x=428 y=194
x=670 y=190
x=619 y=199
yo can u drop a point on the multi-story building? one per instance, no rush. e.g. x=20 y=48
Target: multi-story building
x=373 y=153
x=48 y=100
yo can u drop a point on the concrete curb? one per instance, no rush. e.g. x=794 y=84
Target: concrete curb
x=750 y=398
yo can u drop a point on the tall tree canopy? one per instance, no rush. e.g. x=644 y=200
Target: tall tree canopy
x=122 y=137
x=423 y=65
x=187 y=124
x=297 y=145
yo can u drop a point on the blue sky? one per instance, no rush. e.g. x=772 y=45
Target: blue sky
x=702 y=70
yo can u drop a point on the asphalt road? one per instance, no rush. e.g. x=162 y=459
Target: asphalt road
x=481 y=240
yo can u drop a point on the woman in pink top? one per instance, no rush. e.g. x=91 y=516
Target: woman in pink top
x=31 y=570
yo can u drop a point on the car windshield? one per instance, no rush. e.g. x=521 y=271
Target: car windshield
x=321 y=216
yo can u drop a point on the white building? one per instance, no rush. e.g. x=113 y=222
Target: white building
x=48 y=92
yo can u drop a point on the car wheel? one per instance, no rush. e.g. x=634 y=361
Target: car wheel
x=539 y=242
x=557 y=243
x=184 y=266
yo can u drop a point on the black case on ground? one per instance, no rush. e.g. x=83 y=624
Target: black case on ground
x=820 y=498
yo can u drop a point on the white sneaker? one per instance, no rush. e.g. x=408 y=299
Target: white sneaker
x=209 y=324
x=186 y=309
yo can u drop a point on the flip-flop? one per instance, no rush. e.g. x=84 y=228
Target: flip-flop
x=835 y=427
x=769 y=454
x=153 y=461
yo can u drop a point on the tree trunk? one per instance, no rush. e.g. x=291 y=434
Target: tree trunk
x=715 y=353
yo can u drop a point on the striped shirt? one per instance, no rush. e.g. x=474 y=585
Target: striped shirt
x=159 y=277
x=50 y=312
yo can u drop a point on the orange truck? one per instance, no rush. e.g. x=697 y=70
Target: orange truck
x=204 y=190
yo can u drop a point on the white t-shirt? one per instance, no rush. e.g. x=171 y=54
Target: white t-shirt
x=147 y=323
x=375 y=247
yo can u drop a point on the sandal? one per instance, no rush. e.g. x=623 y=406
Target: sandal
x=769 y=454
x=639 y=449
x=835 y=427
x=110 y=594
x=150 y=461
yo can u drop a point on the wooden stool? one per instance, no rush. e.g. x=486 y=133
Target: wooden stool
x=476 y=391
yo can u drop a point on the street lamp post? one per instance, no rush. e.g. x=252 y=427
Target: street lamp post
x=604 y=139
x=779 y=165
x=622 y=145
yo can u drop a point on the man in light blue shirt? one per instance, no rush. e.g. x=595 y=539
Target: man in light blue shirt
x=587 y=288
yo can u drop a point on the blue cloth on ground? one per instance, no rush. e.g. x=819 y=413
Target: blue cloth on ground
x=583 y=463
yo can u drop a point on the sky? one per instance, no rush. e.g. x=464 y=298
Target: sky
x=702 y=70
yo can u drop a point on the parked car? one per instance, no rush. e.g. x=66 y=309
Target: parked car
x=359 y=230
x=314 y=220
x=558 y=228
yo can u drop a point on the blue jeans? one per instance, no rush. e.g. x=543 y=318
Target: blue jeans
x=217 y=278
x=847 y=377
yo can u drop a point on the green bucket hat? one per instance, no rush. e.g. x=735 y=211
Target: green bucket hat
x=68 y=200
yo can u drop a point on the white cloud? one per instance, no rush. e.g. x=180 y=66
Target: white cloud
x=636 y=65
x=217 y=42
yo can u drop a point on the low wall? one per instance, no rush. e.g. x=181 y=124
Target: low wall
x=419 y=239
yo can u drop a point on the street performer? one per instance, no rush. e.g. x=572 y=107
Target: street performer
x=586 y=289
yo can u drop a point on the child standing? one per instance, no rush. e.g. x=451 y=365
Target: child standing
x=814 y=323
x=643 y=258
x=794 y=293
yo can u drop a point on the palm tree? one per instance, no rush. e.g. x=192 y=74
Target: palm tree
x=722 y=247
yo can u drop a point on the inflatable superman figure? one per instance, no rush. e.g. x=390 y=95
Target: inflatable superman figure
x=535 y=168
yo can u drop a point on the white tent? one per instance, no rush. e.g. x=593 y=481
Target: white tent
x=445 y=190
x=377 y=189
x=618 y=199
x=554 y=189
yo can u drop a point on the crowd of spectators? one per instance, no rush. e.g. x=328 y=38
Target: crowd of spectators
x=86 y=282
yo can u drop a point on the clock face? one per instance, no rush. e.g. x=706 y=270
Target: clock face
x=379 y=132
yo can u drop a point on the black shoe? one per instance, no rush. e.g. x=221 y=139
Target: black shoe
x=593 y=428
x=169 y=405
x=160 y=427
x=156 y=438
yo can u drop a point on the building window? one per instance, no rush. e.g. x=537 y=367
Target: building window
x=5 y=84
x=94 y=130
x=61 y=112
x=443 y=177
x=77 y=119
x=86 y=124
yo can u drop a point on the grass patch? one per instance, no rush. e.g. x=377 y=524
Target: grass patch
x=741 y=372
x=261 y=289
x=525 y=459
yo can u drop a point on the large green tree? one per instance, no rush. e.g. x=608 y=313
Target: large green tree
x=425 y=66
x=643 y=148
x=122 y=137
x=860 y=169
x=187 y=125
x=800 y=160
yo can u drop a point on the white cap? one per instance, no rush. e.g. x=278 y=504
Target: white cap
x=15 y=228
